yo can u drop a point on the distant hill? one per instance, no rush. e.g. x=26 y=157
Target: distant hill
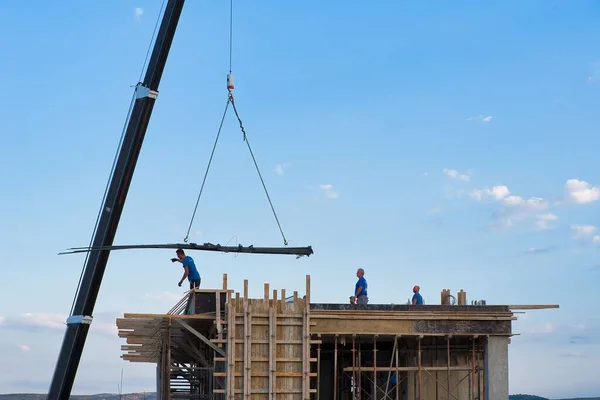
x=532 y=397
x=525 y=397
x=152 y=396
x=101 y=396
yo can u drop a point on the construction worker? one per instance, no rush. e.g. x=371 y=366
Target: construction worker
x=417 y=299
x=360 y=289
x=189 y=267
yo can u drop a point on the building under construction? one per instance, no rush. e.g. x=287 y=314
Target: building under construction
x=222 y=345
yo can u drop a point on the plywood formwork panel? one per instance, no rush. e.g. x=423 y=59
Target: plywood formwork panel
x=271 y=347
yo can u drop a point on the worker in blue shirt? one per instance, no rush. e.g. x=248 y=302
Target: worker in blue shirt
x=360 y=289
x=190 y=270
x=417 y=299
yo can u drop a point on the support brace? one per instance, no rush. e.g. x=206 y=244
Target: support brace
x=79 y=319
x=142 y=91
x=202 y=337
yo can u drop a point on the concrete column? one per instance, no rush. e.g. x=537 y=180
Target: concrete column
x=496 y=368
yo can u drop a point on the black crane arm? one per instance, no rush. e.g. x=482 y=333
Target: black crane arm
x=80 y=319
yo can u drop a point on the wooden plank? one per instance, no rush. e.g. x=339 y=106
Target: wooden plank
x=230 y=351
x=353 y=326
x=266 y=296
x=272 y=350
x=218 y=313
x=247 y=342
x=161 y=317
x=532 y=306
x=412 y=317
x=306 y=343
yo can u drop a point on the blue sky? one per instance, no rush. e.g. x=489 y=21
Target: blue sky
x=445 y=145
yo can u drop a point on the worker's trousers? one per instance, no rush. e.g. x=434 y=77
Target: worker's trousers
x=362 y=300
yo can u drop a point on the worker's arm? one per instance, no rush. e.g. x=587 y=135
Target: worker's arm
x=414 y=299
x=185 y=274
x=360 y=288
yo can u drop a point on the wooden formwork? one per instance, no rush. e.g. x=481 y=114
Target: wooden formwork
x=268 y=346
x=218 y=344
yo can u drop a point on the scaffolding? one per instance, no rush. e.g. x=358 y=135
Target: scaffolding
x=217 y=344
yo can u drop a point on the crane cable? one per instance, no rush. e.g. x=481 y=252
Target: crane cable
x=230 y=99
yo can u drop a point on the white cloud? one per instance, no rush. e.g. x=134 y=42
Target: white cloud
x=43 y=320
x=138 y=13
x=24 y=348
x=549 y=328
x=546 y=328
x=586 y=232
x=497 y=192
x=542 y=220
x=328 y=191
x=454 y=174
x=502 y=194
x=514 y=209
x=1 y=320
x=280 y=168
x=583 y=231
x=581 y=192
x=531 y=204
x=103 y=323
x=481 y=118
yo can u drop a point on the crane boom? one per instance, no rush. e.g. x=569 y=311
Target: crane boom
x=78 y=323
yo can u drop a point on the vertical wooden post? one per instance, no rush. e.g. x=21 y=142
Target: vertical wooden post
x=335 y=368
x=374 y=396
x=218 y=317
x=397 y=370
x=167 y=383
x=282 y=304
x=225 y=281
x=319 y=367
x=437 y=364
x=353 y=367
x=419 y=370
x=266 y=295
x=473 y=370
x=306 y=344
x=359 y=371
x=448 y=364
x=231 y=366
x=272 y=349
x=247 y=360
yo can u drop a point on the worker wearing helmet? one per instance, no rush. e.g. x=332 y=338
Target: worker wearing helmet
x=190 y=270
